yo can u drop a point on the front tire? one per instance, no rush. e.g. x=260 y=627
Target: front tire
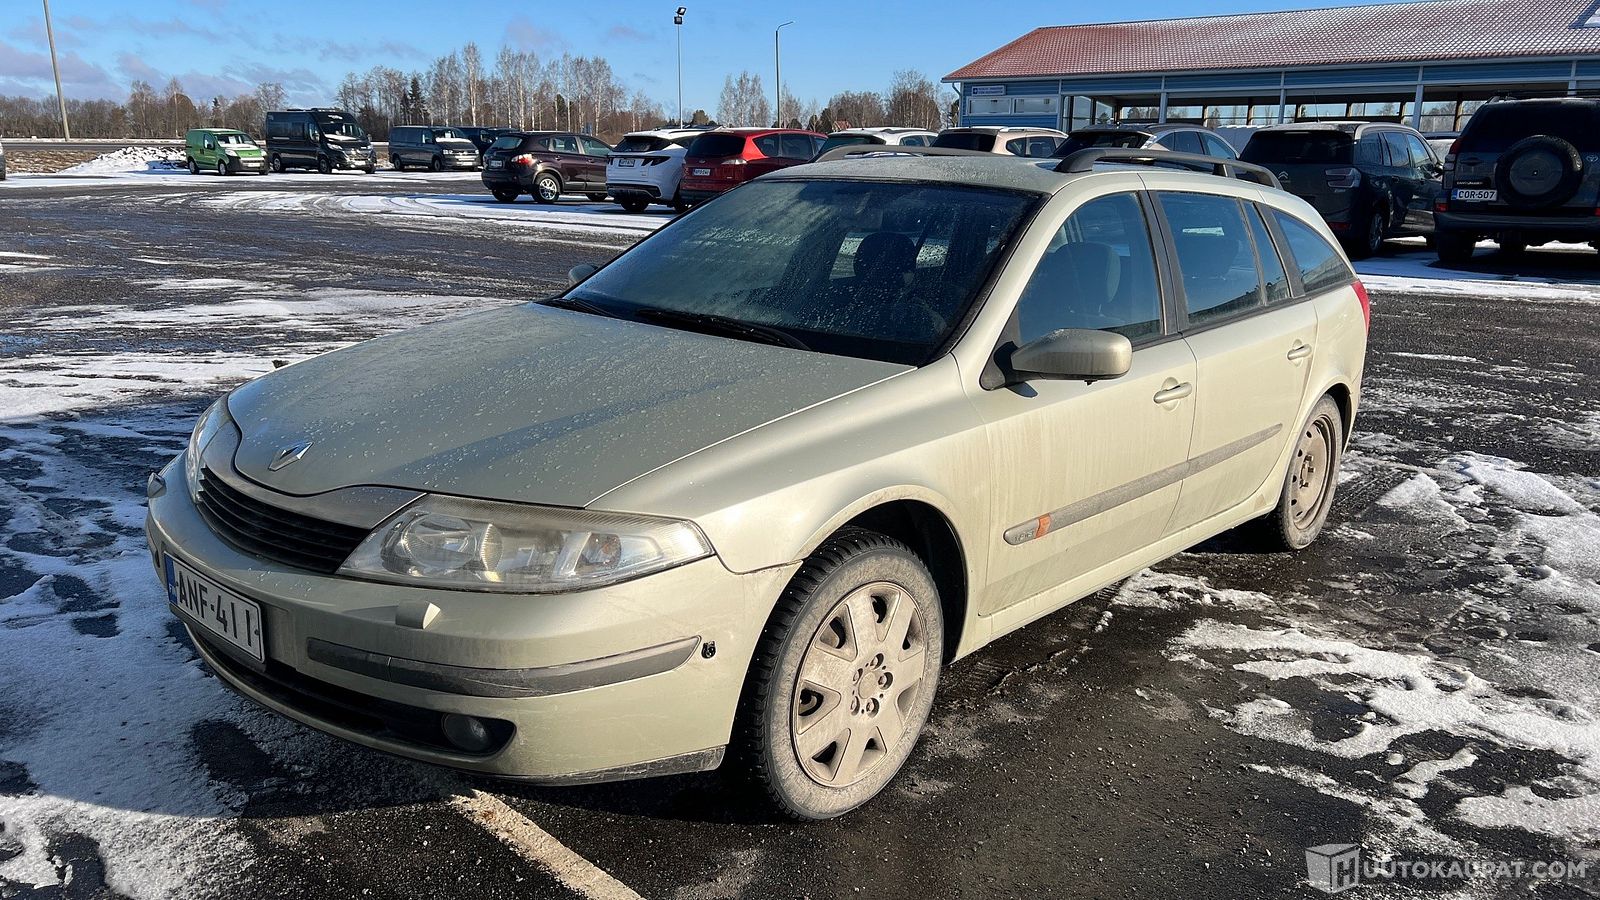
x=634 y=204
x=396 y=164
x=843 y=679
x=1367 y=241
x=436 y=165
x=324 y=165
x=275 y=163
x=597 y=197
x=505 y=195
x=1309 y=485
x=222 y=168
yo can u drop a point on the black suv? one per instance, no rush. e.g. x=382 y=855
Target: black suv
x=1370 y=180
x=1523 y=172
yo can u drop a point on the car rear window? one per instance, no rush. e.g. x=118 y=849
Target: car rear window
x=506 y=142
x=848 y=140
x=642 y=144
x=965 y=140
x=1496 y=126
x=1288 y=147
x=876 y=270
x=709 y=145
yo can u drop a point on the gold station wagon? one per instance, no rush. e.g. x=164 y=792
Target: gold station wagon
x=749 y=486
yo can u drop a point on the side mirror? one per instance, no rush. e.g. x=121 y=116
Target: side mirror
x=581 y=271
x=1072 y=354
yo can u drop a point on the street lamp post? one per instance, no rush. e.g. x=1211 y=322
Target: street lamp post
x=61 y=100
x=777 y=65
x=677 y=22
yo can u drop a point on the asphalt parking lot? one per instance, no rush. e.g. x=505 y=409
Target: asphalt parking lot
x=1424 y=681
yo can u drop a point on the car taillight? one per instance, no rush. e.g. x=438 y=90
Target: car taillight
x=1455 y=147
x=1366 y=304
x=525 y=159
x=655 y=160
x=1343 y=178
x=736 y=161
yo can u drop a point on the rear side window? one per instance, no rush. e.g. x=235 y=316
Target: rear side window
x=1099 y=273
x=1496 y=126
x=717 y=145
x=563 y=143
x=1273 y=276
x=1315 y=147
x=796 y=146
x=1216 y=257
x=1399 y=152
x=769 y=146
x=966 y=140
x=1183 y=142
x=1218 y=147
x=1321 y=267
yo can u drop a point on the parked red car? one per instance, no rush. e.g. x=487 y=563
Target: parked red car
x=728 y=157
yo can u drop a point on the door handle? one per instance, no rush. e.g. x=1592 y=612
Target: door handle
x=1299 y=351
x=1174 y=393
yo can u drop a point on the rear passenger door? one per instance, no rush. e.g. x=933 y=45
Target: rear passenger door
x=1094 y=469
x=1252 y=344
x=569 y=161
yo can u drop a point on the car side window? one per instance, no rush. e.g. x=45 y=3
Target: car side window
x=1182 y=142
x=1399 y=153
x=564 y=143
x=595 y=147
x=795 y=146
x=1321 y=267
x=1273 y=276
x=1042 y=147
x=1421 y=155
x=1218 y=147
x=1017 y=146
x=1371 y=151
x=769 y=145
x=914 y=140
x=1099 y=273
x=1215 y=256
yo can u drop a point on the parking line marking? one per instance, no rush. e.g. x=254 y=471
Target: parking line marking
x=540 y=847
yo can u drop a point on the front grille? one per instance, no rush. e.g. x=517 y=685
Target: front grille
x=273 y=533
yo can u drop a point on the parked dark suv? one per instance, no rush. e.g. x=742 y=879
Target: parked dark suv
x=1523 y=172
x=1369 y=180
x=546 y=164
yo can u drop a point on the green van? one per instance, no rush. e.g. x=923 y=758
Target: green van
x=223 y=151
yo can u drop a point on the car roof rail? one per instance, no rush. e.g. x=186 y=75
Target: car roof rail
x=850 y=150
x=1085 y=161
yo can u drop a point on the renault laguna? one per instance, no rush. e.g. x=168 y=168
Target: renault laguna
x=744 y=490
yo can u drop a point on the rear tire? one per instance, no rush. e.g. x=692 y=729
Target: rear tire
x=1513 y=246
x=1309 y=485
x=275 y=163
x=841 y=684
x=194 y=167
x=635 y=204
x=547 y=188
x=505 y=195
x=1368 y=241
x=1454 y=247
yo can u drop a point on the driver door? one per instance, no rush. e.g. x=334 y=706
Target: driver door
x=1088 y=473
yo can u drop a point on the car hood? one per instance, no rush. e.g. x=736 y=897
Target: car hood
x=529 y=403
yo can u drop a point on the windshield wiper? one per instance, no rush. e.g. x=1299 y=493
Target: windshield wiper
x=711 y=323
x=580 y=305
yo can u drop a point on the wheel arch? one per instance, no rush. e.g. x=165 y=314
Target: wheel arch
x=1345 y=398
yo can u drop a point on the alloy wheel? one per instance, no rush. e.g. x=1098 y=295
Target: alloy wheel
x=859 y=678
x=549 y=189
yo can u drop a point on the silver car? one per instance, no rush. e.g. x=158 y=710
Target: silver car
x=748 y=487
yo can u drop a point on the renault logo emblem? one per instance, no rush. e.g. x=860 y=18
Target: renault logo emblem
x=287 y=455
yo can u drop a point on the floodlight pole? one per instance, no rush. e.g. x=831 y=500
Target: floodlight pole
x=61 y=100
x=777 y=65
x=677 y=23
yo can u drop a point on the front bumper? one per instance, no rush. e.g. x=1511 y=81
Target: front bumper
x=247 y=164
x=339 y=661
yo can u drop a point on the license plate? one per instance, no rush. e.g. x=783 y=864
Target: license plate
x=701 y=172
x=1477 y=195
x=626 y=163
x=218 y=610
x=496 y=163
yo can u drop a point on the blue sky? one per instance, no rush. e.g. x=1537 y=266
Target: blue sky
x=226 y=46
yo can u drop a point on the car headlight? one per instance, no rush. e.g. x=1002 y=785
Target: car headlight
x=231 y=152
x=454 y=542
x=211 y=422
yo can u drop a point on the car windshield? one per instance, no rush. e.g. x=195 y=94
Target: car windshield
x=340 y=128
x=1084 y=140
x=847 y=140
x=448 y=134
x=712 y=145
x=241 y=140
x=965 y=140
x=876 y=270
x=1289 y=147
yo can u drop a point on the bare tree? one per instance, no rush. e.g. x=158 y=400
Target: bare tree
x=270 y=95
x=472 y=75
x=914 y=101
x=743 y=101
